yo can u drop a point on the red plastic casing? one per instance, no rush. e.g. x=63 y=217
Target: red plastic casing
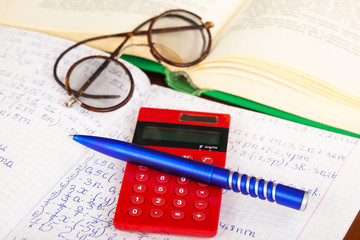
x=164 y=222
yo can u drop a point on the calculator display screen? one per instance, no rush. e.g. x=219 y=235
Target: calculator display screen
x=181 y=135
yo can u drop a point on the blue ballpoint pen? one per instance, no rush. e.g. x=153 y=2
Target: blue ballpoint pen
x=198 y=171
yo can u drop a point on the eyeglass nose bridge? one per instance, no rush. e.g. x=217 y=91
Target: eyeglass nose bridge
x=71 y=101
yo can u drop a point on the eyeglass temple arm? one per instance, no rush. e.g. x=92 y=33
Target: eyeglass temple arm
x=166 y=30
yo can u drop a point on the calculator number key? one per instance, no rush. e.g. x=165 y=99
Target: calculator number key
x=137 y=199
x=134 y=211
x=181 y=191
x=158 y=201
x=179 y=203
x=142 y=177
x=160 y=189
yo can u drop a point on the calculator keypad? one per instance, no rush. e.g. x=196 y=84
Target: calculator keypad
x=157 y=200
x=160 y=189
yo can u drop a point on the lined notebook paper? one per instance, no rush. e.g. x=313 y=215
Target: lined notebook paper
x=82 y=204
x=27 y=170
x=35 y=152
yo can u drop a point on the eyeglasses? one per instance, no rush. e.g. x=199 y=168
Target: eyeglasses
x=103 y=83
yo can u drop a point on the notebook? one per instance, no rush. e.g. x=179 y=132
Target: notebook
x=53 y=188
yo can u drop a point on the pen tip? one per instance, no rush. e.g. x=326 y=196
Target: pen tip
x=71 y=136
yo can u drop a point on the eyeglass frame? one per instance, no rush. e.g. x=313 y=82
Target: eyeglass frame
x=115 y=55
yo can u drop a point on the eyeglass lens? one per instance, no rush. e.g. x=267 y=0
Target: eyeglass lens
x=110 y=87
x=186 y=45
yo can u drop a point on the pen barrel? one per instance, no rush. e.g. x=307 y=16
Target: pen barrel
x=259 y=188
x=198 y=171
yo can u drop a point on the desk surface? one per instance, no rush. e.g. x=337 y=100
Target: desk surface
x=353 y=232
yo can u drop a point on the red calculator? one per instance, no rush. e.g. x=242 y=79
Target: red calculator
x=156 y=202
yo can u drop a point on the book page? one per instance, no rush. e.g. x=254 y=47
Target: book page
x=82 y=204
x=34 y=121
x=318 y=38
x=77 y=20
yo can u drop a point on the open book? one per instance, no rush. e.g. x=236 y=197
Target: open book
x=53 y=188
x=291 y=57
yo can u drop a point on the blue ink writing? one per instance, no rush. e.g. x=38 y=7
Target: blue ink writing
x=4 y=161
